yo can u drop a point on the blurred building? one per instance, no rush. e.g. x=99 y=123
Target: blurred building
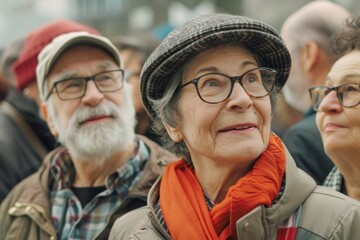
x=136 y=17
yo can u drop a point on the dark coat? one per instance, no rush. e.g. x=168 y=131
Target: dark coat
x=304 y=142
x=18 y=159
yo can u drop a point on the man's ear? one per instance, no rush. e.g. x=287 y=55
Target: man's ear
x=174 y=133
x=48 y=118
x=315 y=63
x=310 y=54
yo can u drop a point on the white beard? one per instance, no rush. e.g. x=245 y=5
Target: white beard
x=295 y=90
x=99 y=141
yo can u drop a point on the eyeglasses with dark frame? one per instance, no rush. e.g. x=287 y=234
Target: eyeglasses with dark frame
x=214 y=88
x=72 y=88
x=348 y=94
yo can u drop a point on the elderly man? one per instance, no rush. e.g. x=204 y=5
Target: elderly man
x=104 y=170
x=25 y=137
x=307 y=33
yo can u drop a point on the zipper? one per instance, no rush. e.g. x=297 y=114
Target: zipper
x=157 y=224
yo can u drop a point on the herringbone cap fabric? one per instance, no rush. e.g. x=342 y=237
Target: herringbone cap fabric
x=207 y=31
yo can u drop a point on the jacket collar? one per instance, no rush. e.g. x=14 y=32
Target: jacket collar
x=159 y=158
x=298 y=186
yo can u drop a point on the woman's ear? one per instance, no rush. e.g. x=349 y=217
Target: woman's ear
x=174 y=133
x=48 y=118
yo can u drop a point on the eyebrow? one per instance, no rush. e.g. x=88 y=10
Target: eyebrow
x=216 y=69
x=64 y=75
x=107 y=65
x=104 y=66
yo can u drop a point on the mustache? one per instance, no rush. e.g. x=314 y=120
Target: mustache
x=84 y=113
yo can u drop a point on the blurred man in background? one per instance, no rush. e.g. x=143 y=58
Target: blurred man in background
x=307 y=33
x=8 y=56
x=25 y=138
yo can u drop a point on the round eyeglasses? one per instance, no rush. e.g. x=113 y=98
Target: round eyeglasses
x=72 y=88
x=217 y=87
x=348 y=94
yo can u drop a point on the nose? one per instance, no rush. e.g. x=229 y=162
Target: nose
x=330 y=103
x=239 y=99
x=92 y=96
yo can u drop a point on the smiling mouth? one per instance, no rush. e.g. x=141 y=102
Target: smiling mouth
x=332 y=127
x=241 y=128
x=95 y=119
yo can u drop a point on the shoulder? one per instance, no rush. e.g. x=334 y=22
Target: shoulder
x=33 y=186
x=20 y=190
x=338 y=213
x=10 y=133
x=158 y=154
x=303 y=128
x=135 y=223
x=329 y=197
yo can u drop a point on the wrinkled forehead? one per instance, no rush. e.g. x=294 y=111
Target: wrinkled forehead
x=345 y=70
x=80 y=58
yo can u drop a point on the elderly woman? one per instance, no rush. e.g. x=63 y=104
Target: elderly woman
x=210 y=87
x=338 y=113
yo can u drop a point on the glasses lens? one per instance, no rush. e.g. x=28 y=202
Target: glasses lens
x=349 y=94
x=213 y=87
x=317 y=94
x=258 y=82
x=70 y=88
x=109 y=81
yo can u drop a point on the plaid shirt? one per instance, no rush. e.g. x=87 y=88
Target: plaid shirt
x=335 y=180
x=70 y=219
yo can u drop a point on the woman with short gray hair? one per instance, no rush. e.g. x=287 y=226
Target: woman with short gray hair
x=211 y=86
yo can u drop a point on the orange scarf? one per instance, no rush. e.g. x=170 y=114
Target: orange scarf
x=184 y=208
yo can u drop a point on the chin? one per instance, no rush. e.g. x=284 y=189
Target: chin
x=245 y=154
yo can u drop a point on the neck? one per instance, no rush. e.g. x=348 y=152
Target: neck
x=92 y=175
x=349 y=166
x=353 y=189
x=216 y=179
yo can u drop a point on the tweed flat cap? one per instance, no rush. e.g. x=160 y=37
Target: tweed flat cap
x=204 y=32
x=49 y=55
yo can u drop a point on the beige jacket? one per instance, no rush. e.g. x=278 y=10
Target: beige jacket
x=325 y=214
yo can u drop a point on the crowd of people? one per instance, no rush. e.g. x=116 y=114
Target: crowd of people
x=130 y=138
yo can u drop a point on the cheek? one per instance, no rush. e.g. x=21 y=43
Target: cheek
x=263 y=111
x=118 y=98
x=65 y=112
x=354 y=119
x=64 y=117
x=197 y=118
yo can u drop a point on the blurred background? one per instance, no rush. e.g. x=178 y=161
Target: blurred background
x=137 y=17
